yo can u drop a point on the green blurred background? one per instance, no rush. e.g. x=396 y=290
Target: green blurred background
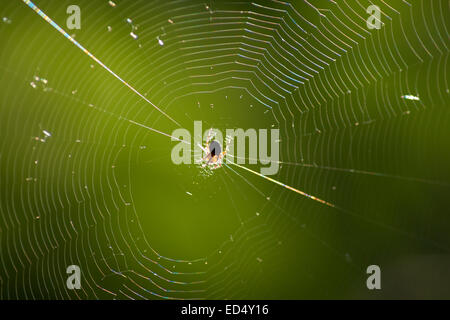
x=103 y=193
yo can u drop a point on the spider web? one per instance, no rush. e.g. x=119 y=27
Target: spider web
x=101 y=192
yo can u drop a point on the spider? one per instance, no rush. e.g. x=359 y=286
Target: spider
x=214 y=154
